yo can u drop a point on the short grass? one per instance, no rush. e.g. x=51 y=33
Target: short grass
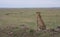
x=17 y=17
x=27 y=16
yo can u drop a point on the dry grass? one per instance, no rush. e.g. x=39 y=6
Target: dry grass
x=25 y=31
x=11 y=20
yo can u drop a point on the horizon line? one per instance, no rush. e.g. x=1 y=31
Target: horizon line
x=29 y=7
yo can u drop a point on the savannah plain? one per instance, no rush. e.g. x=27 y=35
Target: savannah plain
x=11 y=20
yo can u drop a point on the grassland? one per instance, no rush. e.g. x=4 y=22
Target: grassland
x=27 y=16
x=18 y=16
